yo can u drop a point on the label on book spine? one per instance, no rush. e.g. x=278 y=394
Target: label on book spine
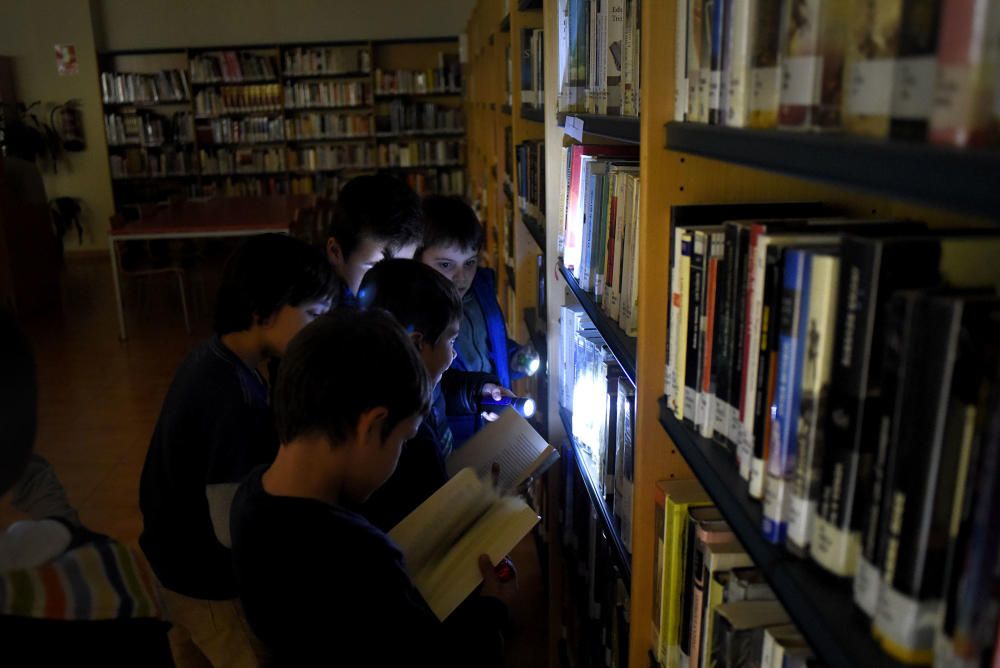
x=744 y=450
x=834 y=549
x=775 y=505
x=766 y=82
x=953 y=97
x=800 y=80
x=867 y=582
x=715 y=90
x=690 y=403
x=869 y=87
x=757 y=474
x=913 y=87
x=905 y=626
x=800 y=514
x=706 y=419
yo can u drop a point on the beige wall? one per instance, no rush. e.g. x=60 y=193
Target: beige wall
x=30 y=28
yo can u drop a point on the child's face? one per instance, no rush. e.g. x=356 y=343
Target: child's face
x=282 y=327
x=353 y=268
x=439 y=355
x=455 y=263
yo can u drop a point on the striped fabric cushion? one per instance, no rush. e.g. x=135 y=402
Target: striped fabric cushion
x=102 y=580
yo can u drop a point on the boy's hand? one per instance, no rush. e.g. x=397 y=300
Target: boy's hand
x=496 y=392
x=500 y=581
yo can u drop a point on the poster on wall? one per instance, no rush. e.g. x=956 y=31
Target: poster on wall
x=66 y=63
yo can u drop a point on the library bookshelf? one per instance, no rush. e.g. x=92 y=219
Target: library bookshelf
x=278 y=118
x=684 y=163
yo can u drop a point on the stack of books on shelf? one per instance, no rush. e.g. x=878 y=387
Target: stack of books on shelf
x=165 y=86
x=711 y=606
x=133 y=164
x=446 y=78
x=599 y=198
x=306 y=94
x=850 y=368
x=531 y=178
x=532 y=68
x=598 y=59
x=232 y=67
x=246 y=130
x=438 y=182
x=238 y=99
x=902 y=68
x=440 y=153
x=327 y=61
x=317 y=125
x=244 y=187
x=401 y=117
x=242 y=161
x=148 y=129
x=329 y=157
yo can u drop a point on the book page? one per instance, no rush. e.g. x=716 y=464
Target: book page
x=512 y=443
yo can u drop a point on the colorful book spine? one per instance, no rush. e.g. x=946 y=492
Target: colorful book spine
x=695 y=55
x=717 y=37
x=719 y=361
x=966 y=79
x=696 y=311
x=680 y=356
x=706 y=418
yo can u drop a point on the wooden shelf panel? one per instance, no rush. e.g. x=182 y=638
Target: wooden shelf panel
x=534 y=228
x=605 y=516
x=534 y=114
x=618 y=128
x=622 y=346
x=966 y=181
x=821 y=605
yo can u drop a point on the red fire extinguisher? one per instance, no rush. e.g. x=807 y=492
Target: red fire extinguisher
x=68 y=121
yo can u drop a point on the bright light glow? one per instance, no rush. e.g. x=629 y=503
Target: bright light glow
x=528 y=409
x=533 y=366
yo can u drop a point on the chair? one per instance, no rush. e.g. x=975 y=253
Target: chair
x=146 y=270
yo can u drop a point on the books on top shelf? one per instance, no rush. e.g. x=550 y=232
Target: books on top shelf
x=599 y=201
x=404 y=117
x=910 y=69
x=326 y=60
x=532 y=68
x=598 y=59
x=232 y=67
x=163 y=87
x=844 y=364
x=307 y=94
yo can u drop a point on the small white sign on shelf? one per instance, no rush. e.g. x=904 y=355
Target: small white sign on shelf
x=573 y=128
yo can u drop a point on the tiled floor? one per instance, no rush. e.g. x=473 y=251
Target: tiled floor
x=99 y=400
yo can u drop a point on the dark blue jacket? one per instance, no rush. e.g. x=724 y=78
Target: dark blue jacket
x=484 y=289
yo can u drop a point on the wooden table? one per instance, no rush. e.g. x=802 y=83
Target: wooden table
x=202 y=219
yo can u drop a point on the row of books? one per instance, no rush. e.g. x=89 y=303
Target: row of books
x=340 y=156
x=327 y=61
x=245 y=130
x=442 y=152
x=599 y=201
x=830 y=356
x=232 y=67
x=444 y=79
x=256 y=186
x=154 y=88
x=242 y=160
x=148 y=129
x=437 y=181
x=306 y=94
x=904 y=68
x=238 y=99
x=595 y=605
x=404 y=117
x=711 y=605
x=134 y=163
x=328 y=125
x=532 y=67
x=598 y=60
x=531 y=178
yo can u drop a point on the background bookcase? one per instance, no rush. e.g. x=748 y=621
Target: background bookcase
x=683 y=164
x=379 y=148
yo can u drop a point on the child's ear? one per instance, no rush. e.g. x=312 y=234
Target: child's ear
x=334 y=253
x=370 y=424
x=417 y=338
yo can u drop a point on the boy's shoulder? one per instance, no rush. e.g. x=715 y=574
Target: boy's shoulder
x=212 y=370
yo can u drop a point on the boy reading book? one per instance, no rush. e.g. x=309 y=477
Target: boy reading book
x=320 y=585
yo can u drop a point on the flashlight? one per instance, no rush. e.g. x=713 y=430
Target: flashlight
x=526 y=361
x=525 y=406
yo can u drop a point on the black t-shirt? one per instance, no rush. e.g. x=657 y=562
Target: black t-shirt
x=214 y=428
x=322 y=586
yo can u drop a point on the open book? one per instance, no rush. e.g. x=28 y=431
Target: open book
x=443 y=538
x=512 y=443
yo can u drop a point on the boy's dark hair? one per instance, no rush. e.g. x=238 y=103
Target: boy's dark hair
x=18 y=401
x=449 y=220
x=344 y=364
x=377 y=206
x=419 y=297
x=269 y=271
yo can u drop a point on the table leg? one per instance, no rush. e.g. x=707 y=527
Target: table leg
x=118 y=290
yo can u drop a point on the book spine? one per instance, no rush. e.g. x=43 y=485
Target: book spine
x=719 y=361
x=609 y=242
x=717 y=36
x=816 y=367
x=673 y=319
x=692 y=368
x=527 y=73
x=563 y=56
x=691 y=556
x=791 y=338
x=705 y=419
x=915 y=69
x=736 y=62
x=599 y=244
x=765 y=82
x=767 y=366
x=801 y=63
x=630 y=55
x=628 y=460
x=751 y=347
x=613 y=56
x=695 y=28
x=659 y=548
x=738 y=345
x=680 y=62
x=869 y=65
x=705 y=60
x=680 y=355
x=590 y=99
x=963 y=93
x=632 y=320
x=699 y=584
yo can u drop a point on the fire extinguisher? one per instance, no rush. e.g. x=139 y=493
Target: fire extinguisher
x=69 y=125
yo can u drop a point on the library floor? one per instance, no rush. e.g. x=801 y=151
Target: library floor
x=99 y=399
